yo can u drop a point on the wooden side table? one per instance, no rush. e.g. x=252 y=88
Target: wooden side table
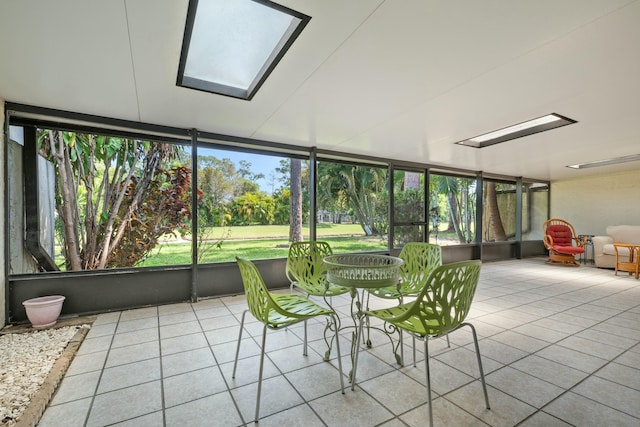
x=632 y=263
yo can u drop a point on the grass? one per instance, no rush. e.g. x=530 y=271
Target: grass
x=281 y=231
x=264 y=241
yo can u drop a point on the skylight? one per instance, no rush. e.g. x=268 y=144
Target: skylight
x=541 y=124
x=231 y=46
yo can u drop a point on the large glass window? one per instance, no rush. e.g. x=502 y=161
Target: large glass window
x=250 y=205
x=87 y=201
x=452 y=209
x=499 y=213
x=353 y=206
x=105 y=201
x=535 y=209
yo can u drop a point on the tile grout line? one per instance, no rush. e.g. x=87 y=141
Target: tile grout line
x=283 y=374
x=162 y=393
x=609 y=298
x=588 y=374
x=556 y=343
x=104 y=364
x=215 y=359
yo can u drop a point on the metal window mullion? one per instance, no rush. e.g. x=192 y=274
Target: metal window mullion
x=519 y=210
x=194 y=215
x=479 y=210
x=313 y=181
x=5 y=172
x=391 y=211
x=427 y=206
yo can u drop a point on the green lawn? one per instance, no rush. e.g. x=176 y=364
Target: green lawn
x=275 y=231
x=264 y=241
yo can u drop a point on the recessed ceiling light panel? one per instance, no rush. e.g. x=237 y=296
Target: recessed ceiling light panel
x=606 y=162
x=231 y=46
x=541 y=124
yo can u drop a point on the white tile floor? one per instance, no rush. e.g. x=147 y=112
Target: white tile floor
x=560 y=347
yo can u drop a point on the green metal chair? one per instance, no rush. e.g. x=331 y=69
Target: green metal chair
x=420 y=258
x=277 y=311
x=440 y=308
x=305 y=269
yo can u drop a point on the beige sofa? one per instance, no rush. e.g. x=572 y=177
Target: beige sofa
x=603 y=253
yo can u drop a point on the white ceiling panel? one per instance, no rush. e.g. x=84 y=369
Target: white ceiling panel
x=402 y=79
x=65 y=54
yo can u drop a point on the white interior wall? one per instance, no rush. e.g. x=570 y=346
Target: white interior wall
x=592 y=203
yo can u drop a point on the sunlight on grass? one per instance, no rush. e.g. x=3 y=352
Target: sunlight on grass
x=281 y=231
x=262 y=242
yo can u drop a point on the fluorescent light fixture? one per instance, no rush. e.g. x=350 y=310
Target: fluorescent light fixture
x=614 y=161
x=231 y=46
x=541 y=124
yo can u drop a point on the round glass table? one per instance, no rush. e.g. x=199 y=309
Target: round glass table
x=362 y=272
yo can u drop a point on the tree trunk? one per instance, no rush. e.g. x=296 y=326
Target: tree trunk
x=454 y=217
x=152 y=163
x=68 y=192
x=454 y=221
x=107 y=245
x=494 y=213
x=295 y=210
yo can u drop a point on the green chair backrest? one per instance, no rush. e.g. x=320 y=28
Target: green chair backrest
x=444 y=302
x=305 y=266
x=419 y=261
x=258 y=298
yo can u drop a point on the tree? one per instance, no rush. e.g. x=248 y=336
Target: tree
x=363 y=188
x=460 y=206
x=494 y=213
x=295 y=218
x=114 y=196
x=216 y=183
x=165 y=209
x=252 y=208
x=282 y=202
x=244 y=180
x=244 y=171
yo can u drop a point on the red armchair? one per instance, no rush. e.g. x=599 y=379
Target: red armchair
x=561 y=241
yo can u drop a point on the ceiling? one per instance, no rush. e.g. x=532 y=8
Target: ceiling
x=397 y=79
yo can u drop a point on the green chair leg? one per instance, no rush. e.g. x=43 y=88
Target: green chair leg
x=277 y=311
x=428 y=375
x=475 y=342
x=439 y=309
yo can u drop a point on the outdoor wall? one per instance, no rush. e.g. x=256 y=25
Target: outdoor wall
x=20 y=261
x=592 y=203
x=47 y=205
x=3 y=276
x=535 y=208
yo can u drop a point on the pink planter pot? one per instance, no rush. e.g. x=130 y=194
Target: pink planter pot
x=43 y=312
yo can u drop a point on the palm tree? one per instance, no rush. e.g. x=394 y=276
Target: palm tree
x=494 y=213
x=362 y=187
x=295 y=219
